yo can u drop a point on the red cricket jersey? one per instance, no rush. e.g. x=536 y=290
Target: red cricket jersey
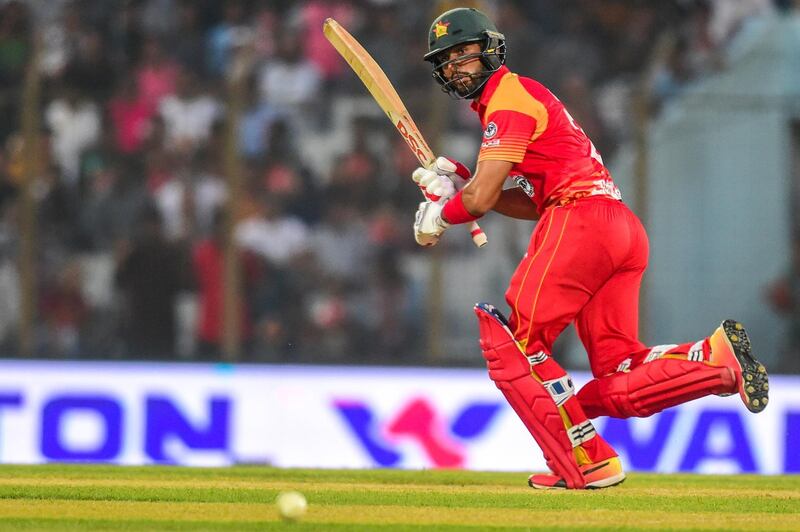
x=524 y=123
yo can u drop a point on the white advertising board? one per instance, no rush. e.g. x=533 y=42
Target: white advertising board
x=293 y=416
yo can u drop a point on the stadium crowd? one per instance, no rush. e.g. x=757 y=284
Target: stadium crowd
x=132 y=181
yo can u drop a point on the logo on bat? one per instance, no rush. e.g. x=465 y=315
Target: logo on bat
x=412 y=142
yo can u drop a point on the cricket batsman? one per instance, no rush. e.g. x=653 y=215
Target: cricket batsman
x=584 y=264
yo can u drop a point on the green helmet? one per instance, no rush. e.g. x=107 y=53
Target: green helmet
x=461 y=26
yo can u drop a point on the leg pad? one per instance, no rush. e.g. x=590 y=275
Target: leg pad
x=510 y=370
x=653 y=387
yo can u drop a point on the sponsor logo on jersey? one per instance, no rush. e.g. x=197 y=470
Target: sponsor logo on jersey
x=524 y=184
x=490 y=143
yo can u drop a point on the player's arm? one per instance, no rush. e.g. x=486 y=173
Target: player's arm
x=513 y=202
x=483 y=192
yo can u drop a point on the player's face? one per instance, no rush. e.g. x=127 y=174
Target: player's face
x=463 y=71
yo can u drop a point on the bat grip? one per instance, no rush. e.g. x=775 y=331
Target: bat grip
x=478 y=236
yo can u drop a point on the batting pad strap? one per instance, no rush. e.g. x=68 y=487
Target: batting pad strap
x=537 y=358
x=658 y=351
x=696 y=352
x=581 y=433
x=560 y=389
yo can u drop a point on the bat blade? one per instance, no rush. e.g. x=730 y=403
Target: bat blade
x=379 y=86
x=383 y=92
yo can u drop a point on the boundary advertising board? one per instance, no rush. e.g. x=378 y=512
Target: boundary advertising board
x=349 y=417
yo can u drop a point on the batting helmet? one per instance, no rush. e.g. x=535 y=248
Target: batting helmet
x=461 y=26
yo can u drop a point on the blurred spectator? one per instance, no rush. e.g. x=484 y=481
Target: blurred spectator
x=64 y=313
x=271 y=234
x=232 y=32
x=381 y=37
x=208 y=266
x=130 y=117
x=317 y=48
x=386 y=311
x=291 y=82
x=355 y=174
x=160 y=167
x=59 y=205
x=523 y=32
x=189 y=114
x=701 y=51
x=334 y=326
x=156 y=74
x=288 y=180
x=188 y=41
x=126 y=34
x=113 y=203
x=255 y=128
x=576 y=94
x=15 y=34
x=151 y=272
x=577 y=47
x=9 y=303
x=190 y=197
x=341 y=242
x=282 y=330
x=671 y=74
x=159 y=18
x=60 y=30
x=74 y=122
x=90 y=71
x=266 y=21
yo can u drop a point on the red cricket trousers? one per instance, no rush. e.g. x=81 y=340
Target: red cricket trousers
x=584 y=263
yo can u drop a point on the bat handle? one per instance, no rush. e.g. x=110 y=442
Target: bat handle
x=478 y=236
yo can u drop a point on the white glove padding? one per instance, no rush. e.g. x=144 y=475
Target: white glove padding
x=428 y=223
x=442 y=180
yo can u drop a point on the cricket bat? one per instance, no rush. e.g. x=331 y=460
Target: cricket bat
x=386 y=96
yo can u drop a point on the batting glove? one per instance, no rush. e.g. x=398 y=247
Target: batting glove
x=428 y=223
x=442 y=180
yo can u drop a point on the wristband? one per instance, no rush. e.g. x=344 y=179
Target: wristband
x=454 y=211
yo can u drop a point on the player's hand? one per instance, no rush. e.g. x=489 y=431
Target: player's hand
x=442 y=180
x=428 y=223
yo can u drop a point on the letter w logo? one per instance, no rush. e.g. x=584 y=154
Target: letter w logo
x=418 y=421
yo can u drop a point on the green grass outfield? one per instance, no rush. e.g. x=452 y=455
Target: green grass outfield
x=82 y=498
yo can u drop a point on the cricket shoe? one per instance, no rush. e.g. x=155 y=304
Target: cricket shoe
x=603 y=474
x=730 y=347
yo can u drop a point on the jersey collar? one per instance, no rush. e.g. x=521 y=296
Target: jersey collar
x=480 y=104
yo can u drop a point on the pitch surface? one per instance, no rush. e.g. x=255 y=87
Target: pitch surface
x=82 y=498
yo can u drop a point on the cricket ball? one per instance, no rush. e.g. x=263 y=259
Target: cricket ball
x=292 y=505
